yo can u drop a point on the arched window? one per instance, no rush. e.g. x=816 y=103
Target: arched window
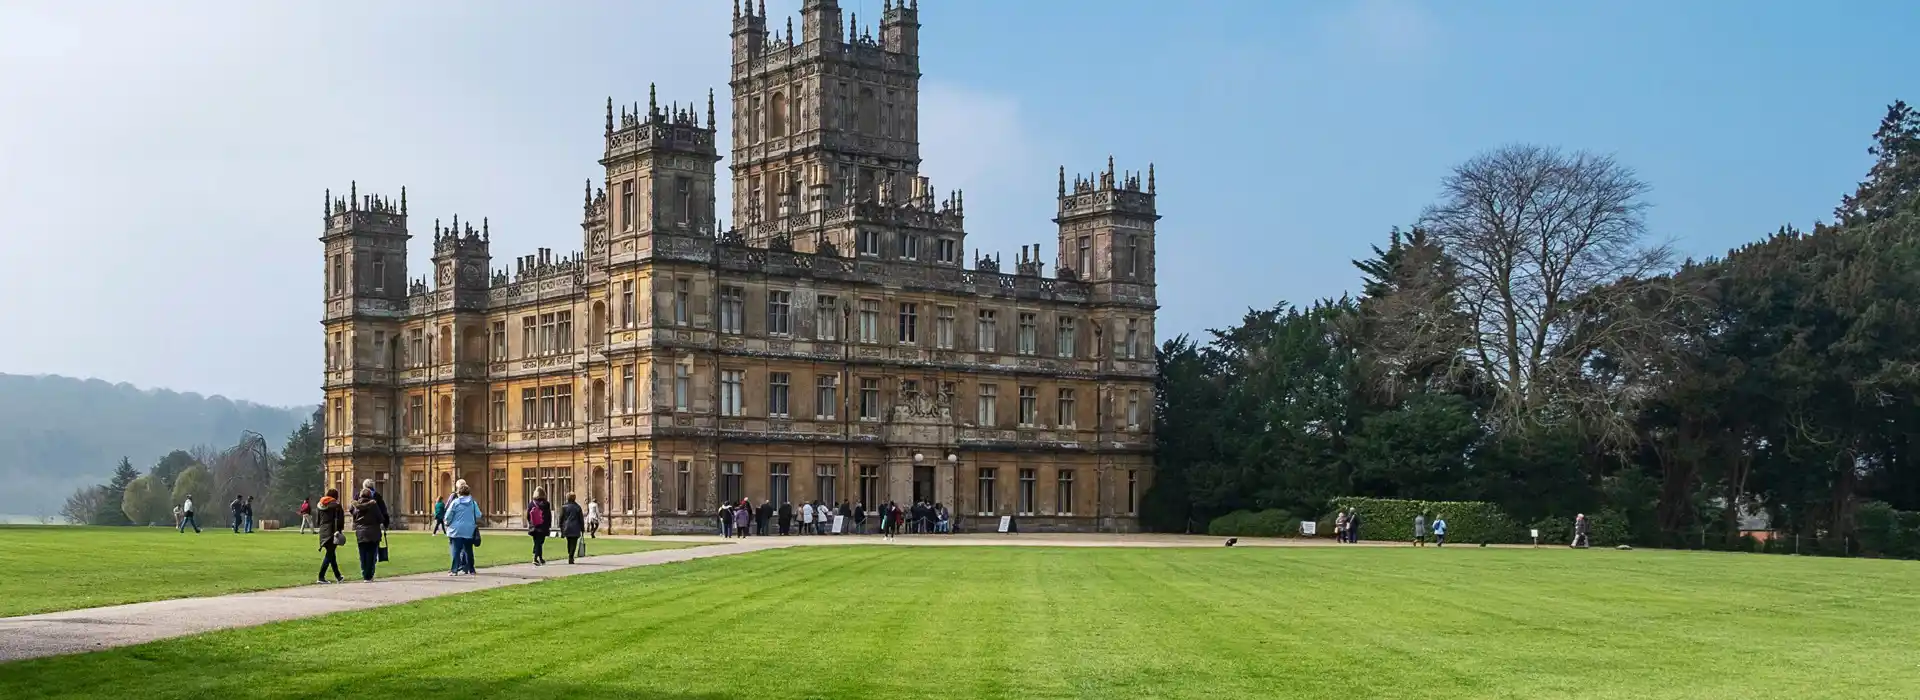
x=777 y=116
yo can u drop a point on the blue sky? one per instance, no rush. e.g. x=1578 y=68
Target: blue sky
x=165 y=162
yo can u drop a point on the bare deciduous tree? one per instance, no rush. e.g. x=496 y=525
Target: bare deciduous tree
x=1531 y=230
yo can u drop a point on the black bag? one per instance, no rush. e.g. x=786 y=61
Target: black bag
x=476 y=536
x=383 y=546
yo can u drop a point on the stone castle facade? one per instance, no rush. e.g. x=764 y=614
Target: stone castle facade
x=835 y=344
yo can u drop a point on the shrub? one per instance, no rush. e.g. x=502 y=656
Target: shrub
x=1608 y=528
x=1246 y=523
x=1554 y=529
x=1467 y=521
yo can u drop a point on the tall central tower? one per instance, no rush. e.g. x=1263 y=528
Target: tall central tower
x=826 y=117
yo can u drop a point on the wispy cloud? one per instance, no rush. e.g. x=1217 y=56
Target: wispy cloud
x=1389 y=31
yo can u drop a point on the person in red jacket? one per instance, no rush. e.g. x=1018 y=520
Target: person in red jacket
x=306 y=515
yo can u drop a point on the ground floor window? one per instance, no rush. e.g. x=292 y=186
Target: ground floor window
x=497 y=497
x=733 y=478
x=626 y=488
x=987 y=505
x=870 y=485
x=779 y=476
x=417 y=494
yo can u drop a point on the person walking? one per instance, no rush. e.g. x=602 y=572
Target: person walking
x=246 y=511
x=235 y=515
x=176 y=516
x=331 y=526
x=1353 y=527
x=463 y=528
x=888 y=516
x=573 y=522
x=186 y=516
x=1580 y=530
x=1420 y=530
x=593 y=518
x=366 y=531
x=439 y=517
x=306 y=515
x=1439 y=530
x=539 y=525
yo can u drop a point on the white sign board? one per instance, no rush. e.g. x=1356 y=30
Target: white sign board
x=1006 y=523
x=839 y=521
x=1536 y=533
x=1309 y=527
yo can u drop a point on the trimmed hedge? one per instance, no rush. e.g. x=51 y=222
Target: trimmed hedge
x=1246 y=523
x=1468 y=522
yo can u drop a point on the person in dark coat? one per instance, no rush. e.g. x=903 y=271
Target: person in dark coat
x=386 y=522
x=235 y=507
x=331 y=521
x=539 y=525
x=763 y=516
x=573 y=521
x=786 y=518
x=860 y=518
x=366 y=531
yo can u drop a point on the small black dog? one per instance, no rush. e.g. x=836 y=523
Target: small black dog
x=1232 y=540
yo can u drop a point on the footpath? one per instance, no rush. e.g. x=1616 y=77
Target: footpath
x=94 y=629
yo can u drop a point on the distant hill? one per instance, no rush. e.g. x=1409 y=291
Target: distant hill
x=59 y=433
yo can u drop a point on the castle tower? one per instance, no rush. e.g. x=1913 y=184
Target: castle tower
x=826 y=114
x=1106 y=225
x=365 y=271
x=659 y=176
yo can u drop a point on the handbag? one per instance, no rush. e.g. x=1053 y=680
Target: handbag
x=339 y=538
x=582 y=549
x=476 y=536
x=383 y=546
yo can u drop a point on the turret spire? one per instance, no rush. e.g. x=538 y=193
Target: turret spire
x=710 y=108
x=1149 y=178
x=609 y=115
x=403 y=200
x=1063 y=181
x=653 y=99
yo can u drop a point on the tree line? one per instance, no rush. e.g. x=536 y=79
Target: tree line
x=276 y=481
x=1528 y=343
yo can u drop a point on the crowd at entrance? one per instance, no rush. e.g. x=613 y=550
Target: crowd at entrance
x=745 y=519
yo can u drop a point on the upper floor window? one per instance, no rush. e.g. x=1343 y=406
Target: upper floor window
x=1085 y=261
x=777 y=116
x=779 y=306
x=985 y=330
x=869 y=320
x=909 y=323
x=870 y=243
x=627 y=311
x=947 y=251
x=379 y=281
x=826 y=318
x=909 y=246
x=682 y=295
x=733 y=310
x=1029 y=333
x=1064 y=336
x=626 y=205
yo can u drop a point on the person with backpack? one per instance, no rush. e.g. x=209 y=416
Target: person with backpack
x=306 y=515
x=572 y=523
x=539 y=525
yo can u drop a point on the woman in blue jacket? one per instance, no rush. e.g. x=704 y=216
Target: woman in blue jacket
x=463 y=528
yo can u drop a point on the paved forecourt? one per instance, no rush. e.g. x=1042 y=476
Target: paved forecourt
x=93 y=629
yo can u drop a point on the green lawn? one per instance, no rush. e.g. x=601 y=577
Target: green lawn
x=907 y=622
x=43 y=569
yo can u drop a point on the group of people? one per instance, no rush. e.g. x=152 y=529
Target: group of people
x=242 y=508
x=817 y=518
x=329 y=518
x=1346 y=528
